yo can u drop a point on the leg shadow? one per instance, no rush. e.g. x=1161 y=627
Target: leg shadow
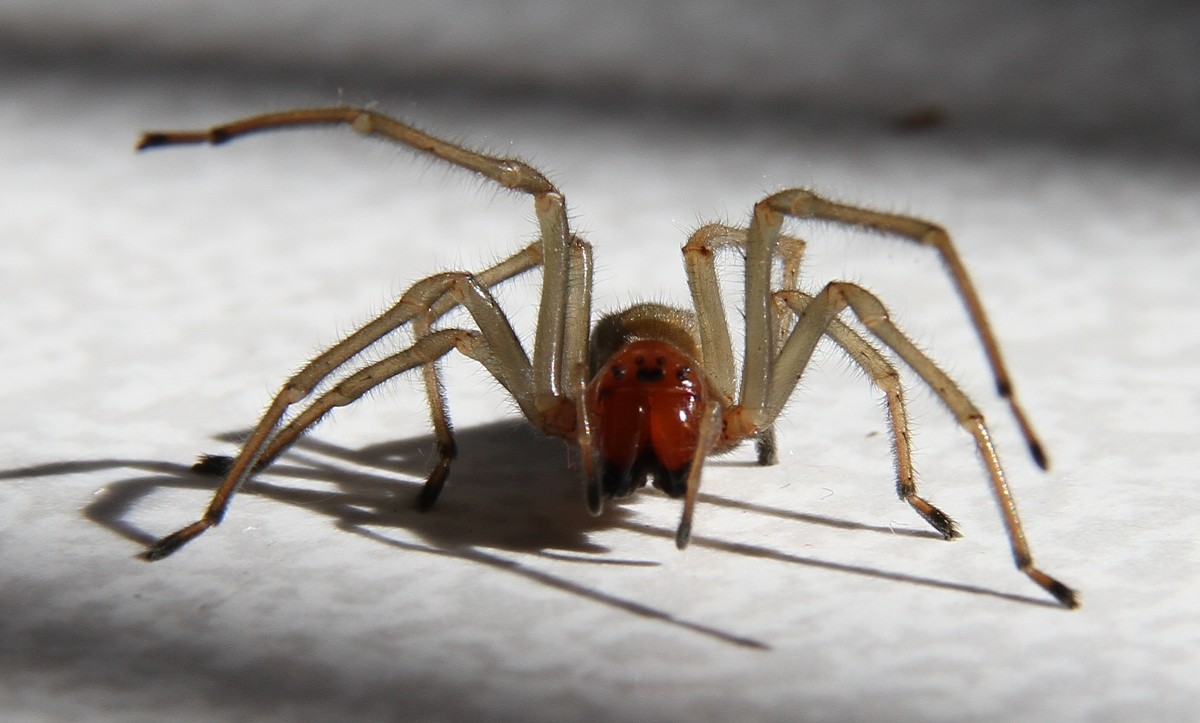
x=511 y=489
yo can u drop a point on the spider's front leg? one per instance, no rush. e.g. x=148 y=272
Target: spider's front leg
x=537 y=387
x=549 y=205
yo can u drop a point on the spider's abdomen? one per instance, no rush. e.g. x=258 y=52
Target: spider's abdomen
x=645 y=403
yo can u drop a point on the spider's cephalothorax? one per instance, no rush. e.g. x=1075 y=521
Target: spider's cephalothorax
x=649 y=392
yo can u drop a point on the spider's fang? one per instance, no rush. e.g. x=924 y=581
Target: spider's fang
x=684 y=534
x=595 y=500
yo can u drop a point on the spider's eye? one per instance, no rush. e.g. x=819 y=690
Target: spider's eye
x=682 y=373
x=618 y=372
x=661 y=361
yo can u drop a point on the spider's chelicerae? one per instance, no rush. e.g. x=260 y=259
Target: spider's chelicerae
x=646 y=393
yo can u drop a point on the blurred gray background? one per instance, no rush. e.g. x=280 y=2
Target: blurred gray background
x=1089 y=71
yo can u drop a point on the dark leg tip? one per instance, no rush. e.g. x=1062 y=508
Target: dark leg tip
x=152 y=554
x=213 y=465
x=152 y=140
x=944 y=525
x=163 y=548
x=433 y=485
x=1039 y=455
x=1065 y=595
x=937 y=519
x=768 y=453
x=427 y=498
x=172 y=542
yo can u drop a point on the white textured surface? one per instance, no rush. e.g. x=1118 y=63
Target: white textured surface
x=151 y=303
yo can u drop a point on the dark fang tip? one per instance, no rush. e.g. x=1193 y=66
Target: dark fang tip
x=684 y=534
x=595 y=502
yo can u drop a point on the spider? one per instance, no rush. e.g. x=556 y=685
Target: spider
x=646 y=393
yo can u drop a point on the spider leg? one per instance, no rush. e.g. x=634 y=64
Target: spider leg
x=818 y=316
x=699 y=255
x=438 y=305
x=575 y=346
x=884 y=375
x=576 y=371
x=428 y=348
x=495 y=346
x=803 y=204
x=700 y=263
x=549 y=205
x=577 y=321
x=537 y=386
x=439 y=418
x=791 y=251
x=508 y=172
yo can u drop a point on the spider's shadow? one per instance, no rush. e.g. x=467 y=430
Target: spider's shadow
x=511 y=489
x=506 y=492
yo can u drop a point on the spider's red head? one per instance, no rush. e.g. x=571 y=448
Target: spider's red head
x=645 y=405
